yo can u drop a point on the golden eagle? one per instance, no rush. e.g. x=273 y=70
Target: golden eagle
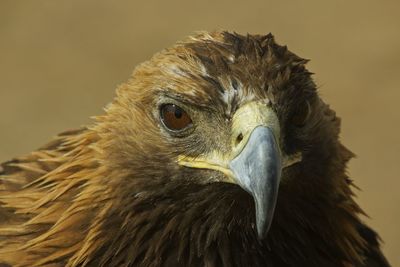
x=184 y=169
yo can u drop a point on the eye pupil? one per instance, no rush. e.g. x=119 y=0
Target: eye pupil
x=174 y=117
x=178 y=112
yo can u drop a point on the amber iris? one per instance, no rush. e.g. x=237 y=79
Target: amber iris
x=174 y=117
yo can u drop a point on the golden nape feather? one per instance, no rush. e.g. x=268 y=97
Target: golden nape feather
x=218 y=151
x=46 y=199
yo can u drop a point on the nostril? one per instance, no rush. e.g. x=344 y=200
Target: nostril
x=239 y=139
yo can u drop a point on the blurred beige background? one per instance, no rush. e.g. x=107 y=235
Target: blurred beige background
x=61 y=60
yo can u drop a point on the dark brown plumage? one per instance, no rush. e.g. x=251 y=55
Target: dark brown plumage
x=118 y=193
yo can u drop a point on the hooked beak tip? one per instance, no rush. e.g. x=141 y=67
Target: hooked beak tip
x=257 y=170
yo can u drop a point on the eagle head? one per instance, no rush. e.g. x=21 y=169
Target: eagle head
x=217 y=108
x=225 y=135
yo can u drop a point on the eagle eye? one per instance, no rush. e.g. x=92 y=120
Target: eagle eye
x=174 y=117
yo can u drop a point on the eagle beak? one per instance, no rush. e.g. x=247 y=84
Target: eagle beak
x=257 y=169
x=255 y=162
